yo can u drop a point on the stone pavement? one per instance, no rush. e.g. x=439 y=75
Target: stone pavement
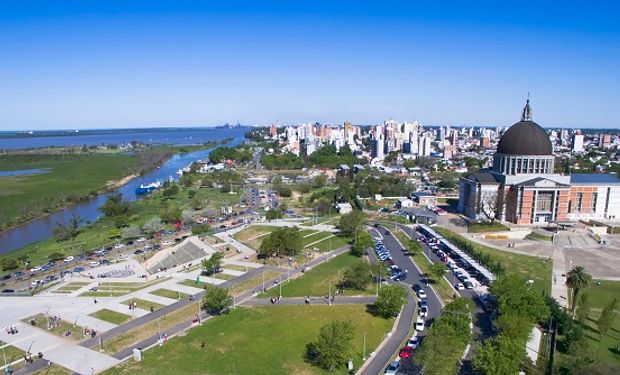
x=64 y=352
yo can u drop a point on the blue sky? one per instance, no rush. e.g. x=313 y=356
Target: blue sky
x=93 y=64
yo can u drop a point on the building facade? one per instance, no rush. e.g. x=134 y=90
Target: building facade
x=522 y=186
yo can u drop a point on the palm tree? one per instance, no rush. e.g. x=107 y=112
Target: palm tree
x=576 y=279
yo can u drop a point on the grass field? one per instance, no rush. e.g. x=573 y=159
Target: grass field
x=12 y=353
x=129 y=338
x=599 y=296
x=273 y=337
x=111 y=316
x=143 y=304
x=77 y=332
x=70 y=287
x=486 y=227
x=253 y=282
x=529 y=267
x=72 y=176
x=317 y=281
x=115 y=289
x=168 y=293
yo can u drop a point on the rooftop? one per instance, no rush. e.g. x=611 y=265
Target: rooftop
x=594 y=178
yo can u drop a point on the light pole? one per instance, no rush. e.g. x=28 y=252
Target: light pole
x=280 y=285
x=199 y=320
x=75 y=321
x=329 y=296
x=4 y=355
x=364 y=356
x=263 y=291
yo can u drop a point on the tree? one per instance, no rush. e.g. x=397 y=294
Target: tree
x=413 y=248
x=579 y=359
x=390 y=300
x=131 y=232
x=489 y=205
x=153 y=226
x=357 y=276
x=361 y=243
x=514 y=296
x=576 y=279
x=273 y=214
x=216 y=300
x=438 y=270
x=201 y=229
x=333 y=346
x=54 y=257
x=115 y=206
x=319 y=181
x=114 y=233
x=350 y=222
x=170 y=214
x=583 y=308
x=513 y=326
x=188 y=216
x=284 y=241
x=607 y=317
x=499 y=356
x=9 y=264
x=213 y=264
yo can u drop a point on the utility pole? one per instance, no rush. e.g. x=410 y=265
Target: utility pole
x=199 y=320
x=280 y=284
x=329 y=296
x=263 y=290
x=364 y=356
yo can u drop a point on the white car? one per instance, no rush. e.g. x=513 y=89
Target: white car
x=421 y=294
x=69 y=259
x=141 y=239
x=459 y=286
x=122 y=257
x=118 y=246
x=166 y=243
x=419 y=325
x=414 y=341
x=423 y=311
x=36 y=269
x=94 y=264
x=393 y=368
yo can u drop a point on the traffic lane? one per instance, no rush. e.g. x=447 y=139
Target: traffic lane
x=413 y=275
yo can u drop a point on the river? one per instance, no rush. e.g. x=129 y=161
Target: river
x=41 y=228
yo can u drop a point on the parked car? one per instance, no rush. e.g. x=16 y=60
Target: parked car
x=78 y=269
x=419 y=325
x=8 y=291
x=414 y=341
x=422 y=294
x=118 y=246
x=423 y=311
x=393 y=368
x=69 y=259
x=94 y=264
x=459 y=286
x=405 y=352
x=141 y=239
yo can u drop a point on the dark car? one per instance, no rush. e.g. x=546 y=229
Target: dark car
x=8 y=291
x=387 y=233
x=6 y=277
x=18 y=274
x=78 y=269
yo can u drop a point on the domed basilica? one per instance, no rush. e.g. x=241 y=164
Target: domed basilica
x=522 y=187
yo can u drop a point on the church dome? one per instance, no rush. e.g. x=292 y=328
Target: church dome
x=525 y=137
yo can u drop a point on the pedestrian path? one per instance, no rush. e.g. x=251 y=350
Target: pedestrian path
x=64 y=352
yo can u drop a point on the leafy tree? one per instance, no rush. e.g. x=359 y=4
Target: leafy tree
x=583 y=308
x=438 y=270
x=284 y=241
x=9 y=264
x=153 y=226
x=607 y=317
x=579 y=359
x=115 y=206
x=413 y=248
x=216 y=300
x=350 y=222
x=197 y=203
x=319 y=181
x=390 y=300
x=281 y=161
x=131 y=232
x=54 y=257
x=361 y=244
x=333 y=346
x=357 y=276
x=513 y=326
x=499 y=356
x=201 y=229
x=273 y=214
x=114 y=233
x=213 y=264
x=171 y=191
x=170 y=214
x=514 y=296
x=576 y=279
x=188 y=216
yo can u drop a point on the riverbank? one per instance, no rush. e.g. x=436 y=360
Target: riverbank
x=71 y=177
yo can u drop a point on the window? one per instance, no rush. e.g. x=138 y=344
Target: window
x=593 y=202
x=579 y=201
x=544 y=201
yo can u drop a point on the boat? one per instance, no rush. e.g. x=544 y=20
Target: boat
x=145 y=189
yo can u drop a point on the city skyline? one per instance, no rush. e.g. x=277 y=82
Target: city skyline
x=114 y=65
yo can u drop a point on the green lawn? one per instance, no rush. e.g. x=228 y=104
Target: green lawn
x=111 y=316
x=115 y=289
x=599 y=296
x=168 y=293
x=258 y=340
x=12 y=353
x=77 y=332
x=529 y=267
x=143 y=304
x=317 y=281
x=253 y=282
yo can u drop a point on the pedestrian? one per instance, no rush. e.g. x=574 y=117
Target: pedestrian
x=190 y=298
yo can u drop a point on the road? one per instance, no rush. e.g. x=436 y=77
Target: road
x=482 y=322
x=408 y=316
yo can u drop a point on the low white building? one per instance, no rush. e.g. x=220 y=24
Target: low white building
x=344 y=208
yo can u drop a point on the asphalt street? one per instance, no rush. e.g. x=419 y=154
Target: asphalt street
x=482 y=321
x=414 y=279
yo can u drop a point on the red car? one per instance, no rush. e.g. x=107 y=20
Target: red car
x=406 y=352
